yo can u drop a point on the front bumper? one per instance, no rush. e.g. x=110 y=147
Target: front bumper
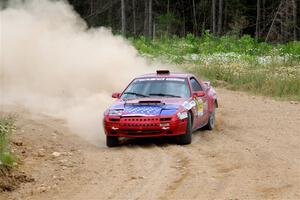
x=145 y=126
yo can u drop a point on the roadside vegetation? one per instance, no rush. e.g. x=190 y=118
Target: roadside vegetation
x=7 y=127
x=237 y=63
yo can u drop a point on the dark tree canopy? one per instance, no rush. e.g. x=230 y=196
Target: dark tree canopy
x=267 y=20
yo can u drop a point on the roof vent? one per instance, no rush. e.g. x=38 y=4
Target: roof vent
x=163 y=71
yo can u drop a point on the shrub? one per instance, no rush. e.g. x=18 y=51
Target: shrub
x=6 y=129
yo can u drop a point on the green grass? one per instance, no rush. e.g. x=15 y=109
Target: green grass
x=7 y=127
x=240 y=63
x=256 y=81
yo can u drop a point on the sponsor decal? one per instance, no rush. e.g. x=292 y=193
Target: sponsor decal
x=149 y=79
x=159 y=79
x=193 y=103
x=189 y=105
x=200 y=107
x=182 y=115
x=164 y=125
x=142 y=110
x=175 y=79
x=205 y=105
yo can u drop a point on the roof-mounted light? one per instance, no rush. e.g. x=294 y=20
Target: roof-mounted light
x=163 y=71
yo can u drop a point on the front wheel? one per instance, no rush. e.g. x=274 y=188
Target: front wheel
x=211 y=120
x=112 y=141
x=187 y=137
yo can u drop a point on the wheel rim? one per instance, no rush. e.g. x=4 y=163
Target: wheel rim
x=212 y=119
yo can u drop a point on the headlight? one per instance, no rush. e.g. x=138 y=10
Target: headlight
x=182 y=115
x=115 y=112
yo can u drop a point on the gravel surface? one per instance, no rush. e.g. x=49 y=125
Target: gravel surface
x=254 y=153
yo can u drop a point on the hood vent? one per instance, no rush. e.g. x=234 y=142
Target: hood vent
x=146 y=103
x=151 y=102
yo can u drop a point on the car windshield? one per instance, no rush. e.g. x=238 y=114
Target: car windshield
x=159 y=87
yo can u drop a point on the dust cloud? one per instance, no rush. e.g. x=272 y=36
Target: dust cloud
x=52 y=63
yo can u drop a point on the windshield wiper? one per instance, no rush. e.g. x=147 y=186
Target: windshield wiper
x=164 y=95
x=136 y=94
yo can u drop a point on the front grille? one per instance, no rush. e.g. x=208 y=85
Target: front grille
x=140 y=119
x=165 y=119
x=131 y=122
x=139 y=125
x=114 y=119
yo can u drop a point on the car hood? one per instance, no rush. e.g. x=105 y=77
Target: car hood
x=149 y=106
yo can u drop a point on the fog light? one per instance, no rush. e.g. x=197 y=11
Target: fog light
x=164 y=125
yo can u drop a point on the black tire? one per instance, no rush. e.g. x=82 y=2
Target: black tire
x=187 y=137
x=211 y=120
x=112 y=141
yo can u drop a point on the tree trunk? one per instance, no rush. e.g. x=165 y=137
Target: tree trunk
x=183 y=28
x=91 y=7
x=150 y=19
x=272 y=24
x=285 y=23
x=110 y=15
x=168 y=11
x=154 y=31
x=123 y=17
x=213 y=10
x=263 y=16
x=281 y=20
x=220 y=17
x=225 y=16
x=182 y=19
x=257 y=20
x=195 y=26
x=134 y=17
x=295 y=19
x=146 y=19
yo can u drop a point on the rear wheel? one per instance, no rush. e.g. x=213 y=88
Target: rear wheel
x=112 y=141
x=211 y=120
x=187 y=137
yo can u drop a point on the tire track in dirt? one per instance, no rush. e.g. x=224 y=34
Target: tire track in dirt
x=137 y=174
x=181 y=167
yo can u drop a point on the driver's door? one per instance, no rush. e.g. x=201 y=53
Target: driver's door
x=201 y=104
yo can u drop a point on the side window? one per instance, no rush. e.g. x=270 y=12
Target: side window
x=195 y=85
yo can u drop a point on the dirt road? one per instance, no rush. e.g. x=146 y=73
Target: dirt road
x=254 y=153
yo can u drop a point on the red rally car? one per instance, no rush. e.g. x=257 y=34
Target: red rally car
x=161 y=104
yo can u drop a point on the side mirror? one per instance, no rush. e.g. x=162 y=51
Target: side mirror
x=116 y=95
x=207 y=83
x=199 y=94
